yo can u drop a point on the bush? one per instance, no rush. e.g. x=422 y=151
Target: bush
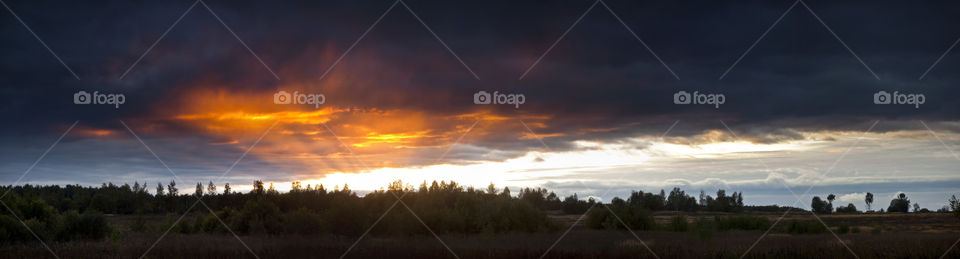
x=876 y=230
x=855 y=229
x=805 y=227
x=633 y=216
x=303 y=221
x=139 y=224
x=743 y=222
x=843 y=228
x=679 y=223
x=704 y=228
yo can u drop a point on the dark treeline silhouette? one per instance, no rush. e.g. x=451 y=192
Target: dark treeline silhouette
x=77 y=212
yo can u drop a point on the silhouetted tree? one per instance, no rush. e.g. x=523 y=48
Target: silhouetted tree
x=226 y=188
x=199 y=190
x=869 y=200
x=211 y=189
x=899 y=204
x=258 y=188
x=817 y=205
x=172 y=189
x=847 y=209
x=954 y=205
x=159 y=190
x=830 y=199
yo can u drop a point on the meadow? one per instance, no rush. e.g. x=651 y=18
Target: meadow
x=311 y=222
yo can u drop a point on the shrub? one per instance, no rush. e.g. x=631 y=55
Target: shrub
x=704 y=228
x=876 y=230
x=805 y=227
x=843 y=228
x=631 y=215
x=743 y=222
x=303 y=221
x=679 y=223
x=855 y=229
x=89 y=225
x=138 y=224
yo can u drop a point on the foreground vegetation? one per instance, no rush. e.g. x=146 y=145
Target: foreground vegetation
x=121 y=221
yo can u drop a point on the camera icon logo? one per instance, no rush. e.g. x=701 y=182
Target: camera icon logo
x=681 y=97
x=81 y=97
x=482 y=97
x=881 y=97
x=282 y=97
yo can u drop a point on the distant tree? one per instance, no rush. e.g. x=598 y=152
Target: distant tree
x=273 y=191
x=899 y=204
x=159 y=189
x=491 y=189
x=226 y=188
x=678 y=200
x=703 y=199
x=211 y=189
x=830 y=199
x=916 y=207
x=850 y=208
x=506 y=192
x=817 y=205
x=258 y=188
x=869 y=200
x=199 y=189
x=296 y=186
x=423 y=187
x=172 y=189
x=954 y=205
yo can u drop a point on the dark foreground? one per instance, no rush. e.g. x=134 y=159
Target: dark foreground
x=922 y=239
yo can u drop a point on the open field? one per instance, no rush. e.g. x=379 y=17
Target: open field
x=900 y=236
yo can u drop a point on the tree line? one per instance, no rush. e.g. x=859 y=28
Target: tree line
x=900 y=203
x=77 y=212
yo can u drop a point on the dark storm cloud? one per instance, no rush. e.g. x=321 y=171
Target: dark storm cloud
x=799 y=77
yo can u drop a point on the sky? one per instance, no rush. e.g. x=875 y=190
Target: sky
x=584 y=95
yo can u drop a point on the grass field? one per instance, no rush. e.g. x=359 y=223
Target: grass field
x=878 y=236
